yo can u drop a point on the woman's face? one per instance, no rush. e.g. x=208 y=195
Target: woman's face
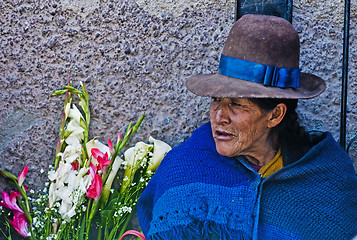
x=239 y=127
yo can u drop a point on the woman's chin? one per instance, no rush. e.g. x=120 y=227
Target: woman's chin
x=225 y=149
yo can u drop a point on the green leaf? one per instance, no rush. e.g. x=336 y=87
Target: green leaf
x=83 y=227
x=59 y=92
x=107 y=217
x=73 y=90
x=8 y=175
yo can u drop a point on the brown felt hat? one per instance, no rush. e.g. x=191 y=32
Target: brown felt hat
x=259 y=60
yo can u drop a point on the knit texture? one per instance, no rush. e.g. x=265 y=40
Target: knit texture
x=198 y=194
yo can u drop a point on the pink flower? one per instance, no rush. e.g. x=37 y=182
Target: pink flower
x=20 y=224
x=111 y=148
x=10 y=201
x=96 y=187
x=119 y=137
x=22 y=175
x=103 y=159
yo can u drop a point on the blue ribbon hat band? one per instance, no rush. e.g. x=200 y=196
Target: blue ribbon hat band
x=259 y=73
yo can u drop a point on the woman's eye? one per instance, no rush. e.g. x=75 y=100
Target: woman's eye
x=214 y=99
x=235 y=104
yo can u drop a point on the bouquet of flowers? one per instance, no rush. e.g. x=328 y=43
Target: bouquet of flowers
x=80 y=199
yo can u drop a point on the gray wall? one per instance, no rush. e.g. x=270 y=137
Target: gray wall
x=134 y=57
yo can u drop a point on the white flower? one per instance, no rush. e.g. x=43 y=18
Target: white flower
x=65 y=194
x=83 y=179
x=70 y=213
x=63 y=169
x=67 y=188
x=137 y=153
x=160 y=150
x=64 y=207
x=72 y=152
x=75 y=114
x=71 y=179
x=67 y=109
x=76 y=133
x=52 y=175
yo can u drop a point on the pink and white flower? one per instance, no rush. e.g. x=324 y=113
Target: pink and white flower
x=95 y=188
x=102 y=158
x=20 y=223
x=10 y=201
x=22 y=176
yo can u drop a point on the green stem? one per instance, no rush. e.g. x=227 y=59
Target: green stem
x=100 y=231
x=81 y=232
x=125 y=225
x=92 y=213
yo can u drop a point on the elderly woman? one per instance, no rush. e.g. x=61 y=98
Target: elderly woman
x=252 y=172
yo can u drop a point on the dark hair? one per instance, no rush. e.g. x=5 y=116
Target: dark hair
x=289 y=128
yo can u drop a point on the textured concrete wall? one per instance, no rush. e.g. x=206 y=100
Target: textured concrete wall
x=134 y=57
x=321 y=25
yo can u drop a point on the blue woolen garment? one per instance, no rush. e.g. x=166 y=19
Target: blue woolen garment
x=198 y=194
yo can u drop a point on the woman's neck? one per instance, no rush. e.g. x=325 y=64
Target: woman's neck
x=264 y=155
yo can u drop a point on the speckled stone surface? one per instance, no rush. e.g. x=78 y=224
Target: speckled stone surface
x=320 y=26
x=135 y=57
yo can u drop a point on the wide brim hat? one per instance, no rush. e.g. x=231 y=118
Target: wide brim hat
x=260 y=59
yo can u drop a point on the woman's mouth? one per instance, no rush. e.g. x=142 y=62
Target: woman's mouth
x=222 y=135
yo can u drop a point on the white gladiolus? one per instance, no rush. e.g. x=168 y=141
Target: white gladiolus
x=64 y=208
x=76 y=133
x=160 y=150
x=52 y=198
x=71 y=151
x=63 y=169
x=72 y=158
x=70 y=213
x=52 y=175
x=83 y=179
x=73 y=126
x=67 y=109
x=68 y=190
x=64 y=193
x=71 y=179
x=75 y=114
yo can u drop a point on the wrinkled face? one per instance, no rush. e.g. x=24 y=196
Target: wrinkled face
x=239 y=127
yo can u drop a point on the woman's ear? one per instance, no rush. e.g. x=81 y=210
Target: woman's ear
x=277 y=115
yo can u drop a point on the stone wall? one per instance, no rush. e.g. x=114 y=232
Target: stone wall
x=134 y=57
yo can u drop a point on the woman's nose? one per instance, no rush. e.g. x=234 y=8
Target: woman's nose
x=222 y=115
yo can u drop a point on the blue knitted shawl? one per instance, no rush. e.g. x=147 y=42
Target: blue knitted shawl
x=198 y=194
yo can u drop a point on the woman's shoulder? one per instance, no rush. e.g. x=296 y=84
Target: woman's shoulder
x=315 y=143
x=321 y=152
